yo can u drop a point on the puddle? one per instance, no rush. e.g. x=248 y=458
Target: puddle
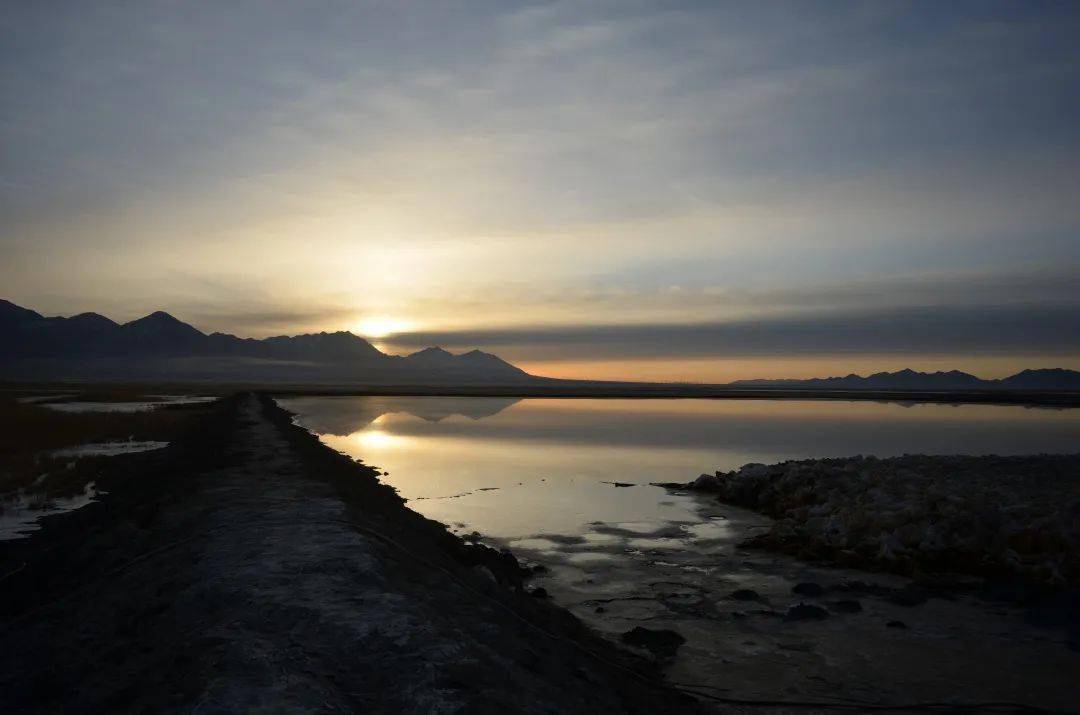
x=600 y=539
x=35 y=399
x=590 y=557
x=140 y=406
x=708 y=530
x=107 y=449
x=638 y=527
x=534 y=544
x=21 y=511
x=658 y=544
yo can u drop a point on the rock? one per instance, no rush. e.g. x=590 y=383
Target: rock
x=745 y=594
x=753 y=469
x=600 y=609
x=539 y=592
x=896 y=624
x=661 y=643
x=847 y=606
x=706 y=481
x=805 y=612
x=808 y=589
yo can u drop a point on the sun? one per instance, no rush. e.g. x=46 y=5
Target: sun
x=380 y=327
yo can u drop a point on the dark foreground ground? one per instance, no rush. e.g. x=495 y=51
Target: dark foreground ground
x=248 y=567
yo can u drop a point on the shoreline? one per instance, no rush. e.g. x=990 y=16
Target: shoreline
x=561 y=390
x=247 y=564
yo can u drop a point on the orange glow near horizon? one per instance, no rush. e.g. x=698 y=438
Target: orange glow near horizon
x=721 y=370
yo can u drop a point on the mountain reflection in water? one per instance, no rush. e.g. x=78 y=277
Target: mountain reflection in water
x=516 y=468
x=345 y=415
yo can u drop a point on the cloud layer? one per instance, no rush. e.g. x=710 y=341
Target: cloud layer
x=617 y=170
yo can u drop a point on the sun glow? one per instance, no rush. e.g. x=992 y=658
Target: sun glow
x=380 y=327
x=377 y=439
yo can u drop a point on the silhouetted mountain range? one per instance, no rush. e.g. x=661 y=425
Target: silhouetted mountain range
x=90 y=346
x=953 y=380
x=160 y=347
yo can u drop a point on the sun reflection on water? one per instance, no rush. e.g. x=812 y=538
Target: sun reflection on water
x=378 y=439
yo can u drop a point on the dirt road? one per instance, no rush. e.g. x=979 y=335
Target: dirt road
x=248 y=567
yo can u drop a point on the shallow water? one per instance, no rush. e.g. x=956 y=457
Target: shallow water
x=20 y=511
x=538 y=476
x=141 y=406
x=34 y=399
x=511 y=469
x=107 y=449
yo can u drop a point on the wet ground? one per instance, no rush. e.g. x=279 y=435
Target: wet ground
x=53 y=442
x=21 y=512
x=849 y=635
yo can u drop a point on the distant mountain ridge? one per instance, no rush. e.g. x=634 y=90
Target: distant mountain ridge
x=953 y=380
x=160 y=346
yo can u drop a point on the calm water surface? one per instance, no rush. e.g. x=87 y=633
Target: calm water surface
x=535 y=475
x=528 y=469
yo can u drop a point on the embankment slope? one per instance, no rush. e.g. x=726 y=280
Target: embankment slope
x=249 y=567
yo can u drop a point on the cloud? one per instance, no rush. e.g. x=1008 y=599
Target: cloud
x=549 y=164
x=987 y=330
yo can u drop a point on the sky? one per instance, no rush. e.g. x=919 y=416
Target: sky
x=629 y=190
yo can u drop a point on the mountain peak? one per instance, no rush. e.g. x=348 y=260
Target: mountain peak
x=159 y=326
x=92 y=319
x=338 y=346
x=160 y=316
x=431 y=352
x=471 y=364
